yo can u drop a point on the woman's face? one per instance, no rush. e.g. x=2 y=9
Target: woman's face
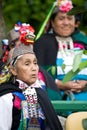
x=63 y=24
x=26 y=68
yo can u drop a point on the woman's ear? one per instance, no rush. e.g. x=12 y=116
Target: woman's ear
x=13 y=70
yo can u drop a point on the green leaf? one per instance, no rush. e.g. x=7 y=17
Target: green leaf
x=85 y=52
x=63 y=67
x=77 y=61
x=83 y=65
x=53 y=70
x=84 y=124
x=69 y=76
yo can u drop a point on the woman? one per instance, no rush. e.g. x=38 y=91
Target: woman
x=25 y=104
x=60 y=45
x=23 y=32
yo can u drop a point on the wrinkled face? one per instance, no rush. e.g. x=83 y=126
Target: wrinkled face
x=26 y=68
x=63 y=24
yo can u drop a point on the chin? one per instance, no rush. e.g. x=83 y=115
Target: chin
x=33 y=81
x=66 y=35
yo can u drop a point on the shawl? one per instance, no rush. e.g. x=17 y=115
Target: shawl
x=49 y=112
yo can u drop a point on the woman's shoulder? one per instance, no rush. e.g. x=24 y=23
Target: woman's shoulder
x=80 y=37
x=8 y=87
x=46 y=36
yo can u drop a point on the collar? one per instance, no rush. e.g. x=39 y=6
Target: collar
x=23 y=85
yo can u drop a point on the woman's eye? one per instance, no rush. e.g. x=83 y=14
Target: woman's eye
x=61 y=18
x=35 y=63
x=27 y=63
x=70 y=18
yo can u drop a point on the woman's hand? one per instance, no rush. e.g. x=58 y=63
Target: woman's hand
x=75 y=86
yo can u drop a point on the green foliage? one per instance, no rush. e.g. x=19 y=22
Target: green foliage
x=15 y=11
x=70 y=75
x=77 y=67
x=82 y=65
x=80 y=7
x=77 y=61
x=79 y=3
x=29 y=11
x=52 y=69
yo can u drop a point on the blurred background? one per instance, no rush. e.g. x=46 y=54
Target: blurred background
x=29 y=11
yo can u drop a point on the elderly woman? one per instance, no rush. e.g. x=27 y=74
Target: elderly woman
x=24 y=102
x=60 y=45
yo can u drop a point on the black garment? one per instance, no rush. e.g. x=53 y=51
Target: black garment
x=49 y=80
x=51 y=117
x=51 y=87
x=10 y=88
x=46 y=49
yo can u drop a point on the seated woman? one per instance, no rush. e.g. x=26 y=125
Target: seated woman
x=59 y=46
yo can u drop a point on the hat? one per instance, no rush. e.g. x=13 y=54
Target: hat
x=21 y=50
x=13 y=35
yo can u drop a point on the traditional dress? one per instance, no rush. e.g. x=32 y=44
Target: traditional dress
x=24 y=103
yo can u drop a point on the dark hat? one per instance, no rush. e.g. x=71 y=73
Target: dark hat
x=21 y=50
x=13 y=35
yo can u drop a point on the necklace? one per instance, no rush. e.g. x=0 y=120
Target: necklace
x=65 y=46
x=32 y=103
x=31 y=98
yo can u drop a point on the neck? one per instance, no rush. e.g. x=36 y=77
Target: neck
x=56 y=34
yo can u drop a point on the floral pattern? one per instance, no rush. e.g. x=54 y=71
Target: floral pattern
x=26 y=32
x=65 y=5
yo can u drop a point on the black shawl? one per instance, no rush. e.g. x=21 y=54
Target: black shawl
x=49 y=112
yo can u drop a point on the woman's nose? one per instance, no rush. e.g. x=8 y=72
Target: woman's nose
x=34 y=67
x=66 y=21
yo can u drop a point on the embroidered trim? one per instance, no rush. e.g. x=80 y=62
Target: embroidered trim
x=64 y=45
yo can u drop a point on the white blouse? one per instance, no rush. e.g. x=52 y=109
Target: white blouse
x=6 y=105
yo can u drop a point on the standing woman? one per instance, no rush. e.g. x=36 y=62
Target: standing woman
x=25 y=104
x=60 y=45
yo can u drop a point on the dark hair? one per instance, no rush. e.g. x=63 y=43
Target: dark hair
x=78 y=17
x=54 y=14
